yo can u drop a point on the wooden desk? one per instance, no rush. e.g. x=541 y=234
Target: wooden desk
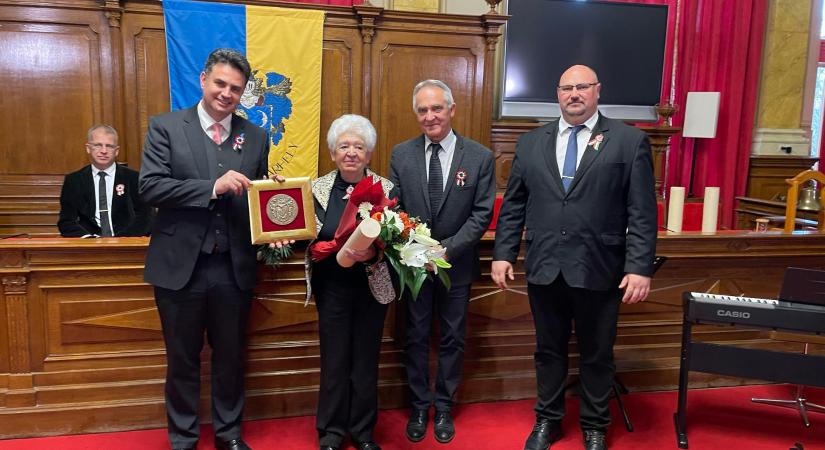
x=749 y=209
x=81 y=348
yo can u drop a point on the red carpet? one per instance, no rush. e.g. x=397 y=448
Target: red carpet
x=717 y=419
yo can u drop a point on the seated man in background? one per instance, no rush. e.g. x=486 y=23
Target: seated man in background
x=102 y=199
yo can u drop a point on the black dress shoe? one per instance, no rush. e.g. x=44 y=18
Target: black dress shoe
x=234 y=444
x=328 y=447
x=368 y=445
x=594 y=440
x=443 y=429
x=544 y=433
x=185 y=448
x=417 y=425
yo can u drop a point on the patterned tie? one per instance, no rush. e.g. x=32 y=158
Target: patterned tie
x=569 y=170
x=216 y=132
x=103 y=205
x=435 y=185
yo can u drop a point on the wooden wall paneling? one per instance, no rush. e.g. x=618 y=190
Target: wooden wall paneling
x=59 y=86
x=58 y=78
x=95 y=356
x=146 y=77
x=341 y=82
x=505 y=136
x=29 y=204
x=402 y=58
x=767 y=175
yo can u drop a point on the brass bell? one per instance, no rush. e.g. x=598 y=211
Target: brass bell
x=808 y=198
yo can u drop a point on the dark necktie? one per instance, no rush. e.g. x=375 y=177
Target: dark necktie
x=569 y=170
x=105 y=227
x=435 y=186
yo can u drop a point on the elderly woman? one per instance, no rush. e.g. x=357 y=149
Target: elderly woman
x=351 y=319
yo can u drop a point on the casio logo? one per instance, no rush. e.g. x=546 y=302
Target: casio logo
x=733 y=314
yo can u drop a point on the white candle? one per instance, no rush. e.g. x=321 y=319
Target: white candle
x=710 y=210
x=675 y=208
x=360 y=239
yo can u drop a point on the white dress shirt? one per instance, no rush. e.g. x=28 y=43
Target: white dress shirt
x=445 y=156
x=110 y=189
x=582 y=138
x=207 y=121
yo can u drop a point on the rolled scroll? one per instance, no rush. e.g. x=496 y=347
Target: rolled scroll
x=365 y=233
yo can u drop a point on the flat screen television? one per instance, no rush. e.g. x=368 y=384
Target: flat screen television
x=623 y=42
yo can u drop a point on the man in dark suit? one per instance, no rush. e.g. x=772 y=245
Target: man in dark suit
x=197 y=164
x=583 y=186
x=448 y=181
x=102 y=199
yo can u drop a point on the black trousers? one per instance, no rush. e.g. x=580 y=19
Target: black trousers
x=210 y=302
x=350 y=326
x=451 y=307
x=595 y=314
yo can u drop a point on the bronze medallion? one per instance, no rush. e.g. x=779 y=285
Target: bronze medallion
x=282 y=209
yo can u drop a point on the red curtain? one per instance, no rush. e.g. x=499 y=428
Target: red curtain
x=719 y=49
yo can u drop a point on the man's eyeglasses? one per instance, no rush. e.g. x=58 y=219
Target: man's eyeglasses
x=578 y=87
x=98 y=146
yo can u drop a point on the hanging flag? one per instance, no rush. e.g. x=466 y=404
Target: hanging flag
x=283 y=46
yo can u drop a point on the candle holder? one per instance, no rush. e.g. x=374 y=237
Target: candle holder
x=493 y=6
x=665 y=111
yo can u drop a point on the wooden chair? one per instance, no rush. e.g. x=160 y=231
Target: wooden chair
x=799 y=402
x=793 y=197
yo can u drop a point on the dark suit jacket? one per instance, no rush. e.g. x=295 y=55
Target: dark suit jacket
x=601 y=229
x=465 y=211
x=130 y=215
x=177 y=176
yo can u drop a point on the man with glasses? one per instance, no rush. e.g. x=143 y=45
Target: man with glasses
x=583 y=188
x=101 y=199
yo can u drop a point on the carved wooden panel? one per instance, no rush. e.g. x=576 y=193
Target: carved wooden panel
x=55 y=87
x=401 y=61
x=341 y=81
x=29 y=204
x=766 y=179
x=146 y=79
x=82 y=331
x=505 y=136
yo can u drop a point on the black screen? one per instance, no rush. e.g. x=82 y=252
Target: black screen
x=624 y=43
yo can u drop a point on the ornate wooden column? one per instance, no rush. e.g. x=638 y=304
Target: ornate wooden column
x=659 y=145
x=366 y=24
x=21 y=384
x=492 y=22
x=113 y=11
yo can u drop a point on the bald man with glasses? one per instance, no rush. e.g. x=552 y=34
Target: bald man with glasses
x=582 y=190
x=101 y=199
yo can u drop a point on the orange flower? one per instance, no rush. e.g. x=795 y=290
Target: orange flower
x=405 y=219
x=378 y=215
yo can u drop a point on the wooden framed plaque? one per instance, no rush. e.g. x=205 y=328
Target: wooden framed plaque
x=279 y=211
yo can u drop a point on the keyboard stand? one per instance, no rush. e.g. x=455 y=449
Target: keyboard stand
x=740 y=362
x=799 y=402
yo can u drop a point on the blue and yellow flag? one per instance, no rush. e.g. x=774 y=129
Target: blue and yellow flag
x=284 y=48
